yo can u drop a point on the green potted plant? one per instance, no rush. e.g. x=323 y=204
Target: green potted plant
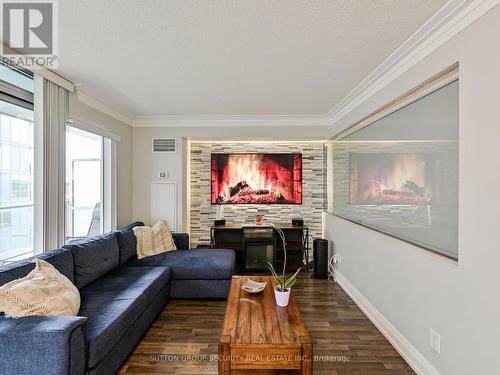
x=283 y=284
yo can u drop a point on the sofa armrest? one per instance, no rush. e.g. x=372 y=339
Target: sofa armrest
x=181 y=240
x=50 y=345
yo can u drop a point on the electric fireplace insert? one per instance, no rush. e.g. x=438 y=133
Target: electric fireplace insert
x=256 y=178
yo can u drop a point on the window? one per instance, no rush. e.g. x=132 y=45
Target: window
x=88 y=187
x=5 y=219
x=16 y=180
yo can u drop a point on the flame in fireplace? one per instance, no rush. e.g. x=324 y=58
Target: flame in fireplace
x=405 y=168
x=246 y=169
x=390 y=179
x=256 y=179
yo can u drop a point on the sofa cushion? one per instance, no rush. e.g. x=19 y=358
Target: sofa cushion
x=154 y=240
x=181 y=240
x=61 y=259
x=94 y=257
x=127 y=243
x=114 y=302
x=132 y=225
x=43 y=292
x=199 y=264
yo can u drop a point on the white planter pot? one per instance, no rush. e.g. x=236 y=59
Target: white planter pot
x=282 y=297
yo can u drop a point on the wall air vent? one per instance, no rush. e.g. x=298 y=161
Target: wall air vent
x=165 y=145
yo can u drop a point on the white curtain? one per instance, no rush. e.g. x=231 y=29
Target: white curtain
x=55 y=117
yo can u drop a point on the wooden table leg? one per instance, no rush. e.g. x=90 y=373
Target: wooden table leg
x=307 y=357
x=224 y=355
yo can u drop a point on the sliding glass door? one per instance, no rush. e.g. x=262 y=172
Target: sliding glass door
x=90 y=193
x=84 y=184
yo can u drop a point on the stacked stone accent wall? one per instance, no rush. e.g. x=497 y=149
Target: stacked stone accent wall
x=203 y=213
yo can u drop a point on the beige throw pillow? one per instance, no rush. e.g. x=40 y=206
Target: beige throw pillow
x=44 y=291
x=154 y=240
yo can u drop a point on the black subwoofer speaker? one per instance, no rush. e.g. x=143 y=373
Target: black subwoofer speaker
x=320 y=256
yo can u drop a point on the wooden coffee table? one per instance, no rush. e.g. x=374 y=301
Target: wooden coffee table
x=258 y=334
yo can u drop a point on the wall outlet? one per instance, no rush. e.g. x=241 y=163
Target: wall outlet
x=337 y=259
x=162 y=174
x=435 y=338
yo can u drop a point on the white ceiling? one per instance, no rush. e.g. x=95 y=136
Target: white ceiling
x=229 y=57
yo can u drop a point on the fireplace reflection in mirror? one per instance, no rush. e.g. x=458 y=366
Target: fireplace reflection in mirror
x=394 y=178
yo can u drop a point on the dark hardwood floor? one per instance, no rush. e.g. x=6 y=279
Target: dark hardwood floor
x=183 y=340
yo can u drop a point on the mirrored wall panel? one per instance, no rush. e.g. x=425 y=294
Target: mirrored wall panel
x=399 y=174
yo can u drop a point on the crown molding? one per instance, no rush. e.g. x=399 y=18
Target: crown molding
x=229 y=120
x=450 y=20
x=101 y=107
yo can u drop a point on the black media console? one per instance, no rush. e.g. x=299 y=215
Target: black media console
x=255 y=243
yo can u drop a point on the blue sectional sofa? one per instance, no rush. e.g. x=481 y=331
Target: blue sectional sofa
x=121 y=296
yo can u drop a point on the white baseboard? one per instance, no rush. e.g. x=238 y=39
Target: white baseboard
x=414 y=358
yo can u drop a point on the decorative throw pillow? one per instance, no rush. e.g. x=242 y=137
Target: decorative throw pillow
x=44 y=291
x=153 y=240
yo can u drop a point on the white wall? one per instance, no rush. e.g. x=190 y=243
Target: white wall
x=147 y=165
x=412 y=288
x=88 y=114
